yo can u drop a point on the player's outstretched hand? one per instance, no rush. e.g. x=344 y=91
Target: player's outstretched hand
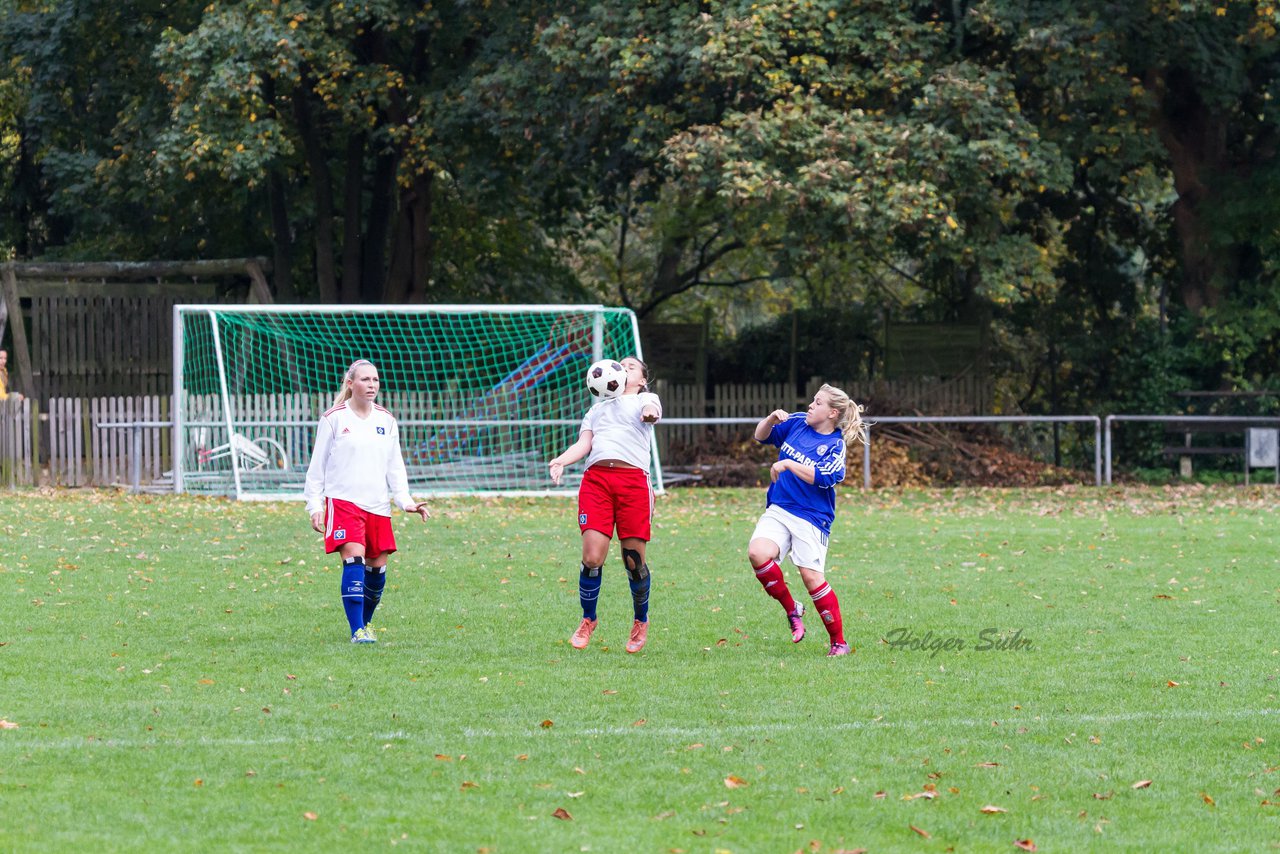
x=422 y=510
x=317 y=521
x=556 y=471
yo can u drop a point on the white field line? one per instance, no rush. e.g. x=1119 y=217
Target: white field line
x=631 y=731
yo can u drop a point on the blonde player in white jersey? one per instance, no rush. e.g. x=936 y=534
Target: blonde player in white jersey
x=617 y=434
x=356 y=464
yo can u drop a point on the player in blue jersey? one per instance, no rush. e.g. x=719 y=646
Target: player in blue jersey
x=356 y=464
x=801 y=504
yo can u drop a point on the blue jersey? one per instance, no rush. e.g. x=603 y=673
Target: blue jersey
x=814 y=502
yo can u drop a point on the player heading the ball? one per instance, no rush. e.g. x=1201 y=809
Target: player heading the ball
x=617 y=439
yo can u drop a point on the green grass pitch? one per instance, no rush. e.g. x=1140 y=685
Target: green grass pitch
x=175 y=674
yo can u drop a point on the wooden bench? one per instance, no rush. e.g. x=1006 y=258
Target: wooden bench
x=1187 y=450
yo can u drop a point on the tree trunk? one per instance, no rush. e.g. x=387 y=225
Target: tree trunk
x=373 y=273
x=1196 y=142
x=353 y=216
x=281 y=238
x=412 y=246
x=322 y=189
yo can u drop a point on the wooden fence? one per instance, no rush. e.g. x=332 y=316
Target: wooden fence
x=66 y=445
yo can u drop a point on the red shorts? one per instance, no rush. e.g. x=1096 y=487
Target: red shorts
x=618 y=496
x=345 y=523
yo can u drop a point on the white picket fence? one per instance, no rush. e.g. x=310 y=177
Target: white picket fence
x=67 y=445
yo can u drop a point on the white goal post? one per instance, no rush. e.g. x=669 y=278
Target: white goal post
x=485 y=395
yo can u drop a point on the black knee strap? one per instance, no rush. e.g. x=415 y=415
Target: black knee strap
x=591 y=571
x=637 y=569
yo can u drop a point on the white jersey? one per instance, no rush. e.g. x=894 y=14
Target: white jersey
x=618 y=432
x=358 y=460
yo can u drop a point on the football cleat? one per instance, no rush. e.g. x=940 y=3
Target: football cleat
x=373 y=635
x=797 y=624
x=582 y=635
x=362 y=636
x=639 y=634
x=838 y=649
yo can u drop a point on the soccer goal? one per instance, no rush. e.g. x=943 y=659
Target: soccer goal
x=485 y=395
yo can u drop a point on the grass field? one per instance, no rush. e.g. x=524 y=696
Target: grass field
x=179 y=676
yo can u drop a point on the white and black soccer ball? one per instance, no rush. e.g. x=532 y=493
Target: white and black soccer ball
x=606 y=379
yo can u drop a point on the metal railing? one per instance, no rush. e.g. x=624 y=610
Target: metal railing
x=1102 y=453
x=1242 y=421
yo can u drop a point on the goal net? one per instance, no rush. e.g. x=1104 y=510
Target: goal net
x=484 y=395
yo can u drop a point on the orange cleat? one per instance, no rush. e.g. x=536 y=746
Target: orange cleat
x=639 y=634
x=582 y=636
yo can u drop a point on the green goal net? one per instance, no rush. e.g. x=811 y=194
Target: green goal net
x=484 y=395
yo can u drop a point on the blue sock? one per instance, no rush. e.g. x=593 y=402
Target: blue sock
x=640 y=596
x=589 y=590
x=374 y=581
x=353 y=591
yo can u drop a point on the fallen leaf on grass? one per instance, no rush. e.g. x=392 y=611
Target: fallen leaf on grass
x=562 y=814
x=928 y=795
x=923 y=833
x=522 y=757
x=1207 y=799
x=1102 y=797
x=992 y=809
x=987 y=765
x=547 y=724
x=609 y=691
x=444 y=758
x=1141 y=784
x=640 y=722
x=733 y=781
x=310 y=816
x=7 y=724
x=1024 y=844
x=1172 y=684
x=467 y=784
x=575 y=794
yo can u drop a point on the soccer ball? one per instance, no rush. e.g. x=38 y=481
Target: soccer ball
x=607 y=379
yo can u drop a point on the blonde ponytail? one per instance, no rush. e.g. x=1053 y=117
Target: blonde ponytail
x=852 y=427
x=344 y=393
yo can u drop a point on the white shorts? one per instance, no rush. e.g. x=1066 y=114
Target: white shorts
x=805 y=541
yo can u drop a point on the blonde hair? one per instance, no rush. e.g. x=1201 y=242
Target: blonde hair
x=852 y=427
x=344 y=393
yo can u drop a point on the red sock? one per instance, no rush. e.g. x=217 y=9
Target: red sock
x=828 y=607
x=771 y=578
